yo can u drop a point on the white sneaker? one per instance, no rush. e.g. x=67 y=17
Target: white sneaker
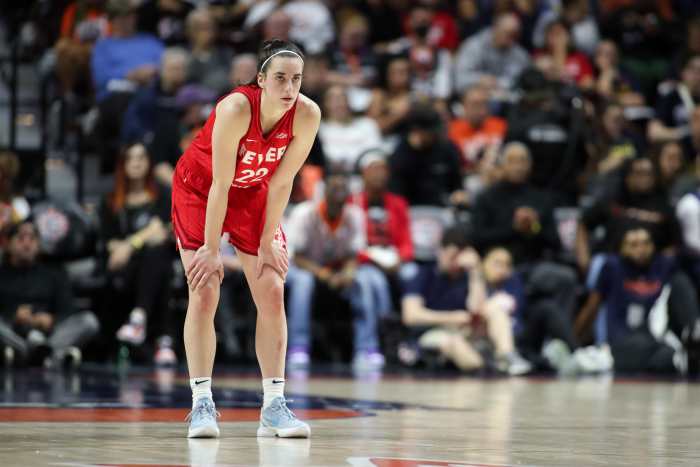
x=368 y=361
x=277 y=420
x=134 y=331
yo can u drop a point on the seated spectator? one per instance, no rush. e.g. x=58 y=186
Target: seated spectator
x=670 y=164
x=83 y=22
x=165 y=19
x=37 y=314
x=447 y=304
x=546 y=120
x=13 y=207
x=120 y=64
x=611 y=80
x=353 y=63
x=674 y=109
x=688 y=214
x=312 y=24
x=209 y=64
x=389 y=243
x=136 y=251
x=155 y=103
x=431 y=65
x=584 y=28
x=613 y=143
x=493 y=57
x=343 y=136
x=391 y=103
x=244 y=69
x=534 y=321
x=691 y=142
x=570 y=66
x=638 y=203
x=641 y=290
x=172 y=131
x=479 y=135
x=472 y=17
x=425 y=166
x=326 y=238
x=276 y=25
x=641 y=31
x=514 y=214
x=126 y=59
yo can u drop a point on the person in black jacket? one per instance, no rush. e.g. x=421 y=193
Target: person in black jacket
x=425 y=167
x=37 y=312
x=513 y=213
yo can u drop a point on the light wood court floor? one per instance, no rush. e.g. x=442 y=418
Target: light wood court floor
x=97 y=418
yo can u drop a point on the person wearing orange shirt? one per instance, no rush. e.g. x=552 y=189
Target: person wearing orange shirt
x=478 y=134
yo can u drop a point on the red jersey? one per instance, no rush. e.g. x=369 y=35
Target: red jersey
x=257 y=156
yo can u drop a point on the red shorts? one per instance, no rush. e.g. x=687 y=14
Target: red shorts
x=245 y=214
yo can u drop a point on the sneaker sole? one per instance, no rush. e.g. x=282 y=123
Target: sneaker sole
x=203 y=432
x=298 y=432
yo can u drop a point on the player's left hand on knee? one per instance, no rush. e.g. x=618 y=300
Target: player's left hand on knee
x=274 y=256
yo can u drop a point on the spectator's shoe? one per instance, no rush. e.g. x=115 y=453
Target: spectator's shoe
x=8 y=356
x=370 y=360
x=277 y=420
x=36 y=338
x=69 y=358
x=203 y=420
x=691 y=342
x=513 y=364
x=133 y=332
x=165 y=355
x=558 y=355
x=298 y=359
x=593 y=359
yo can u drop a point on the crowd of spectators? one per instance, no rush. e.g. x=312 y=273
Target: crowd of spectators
x=497 y=185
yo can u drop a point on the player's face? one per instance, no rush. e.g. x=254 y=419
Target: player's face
x=282 y=80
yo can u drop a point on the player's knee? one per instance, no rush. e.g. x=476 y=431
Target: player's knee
x=205 y=299
x=272 y=292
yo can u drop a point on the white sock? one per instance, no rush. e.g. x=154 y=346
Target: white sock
x=201 y=388
x=272 y=387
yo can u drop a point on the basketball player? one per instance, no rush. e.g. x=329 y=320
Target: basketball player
x=236 y=177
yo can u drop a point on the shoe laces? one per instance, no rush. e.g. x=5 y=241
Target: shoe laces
x=203 y=409
x=283 y=410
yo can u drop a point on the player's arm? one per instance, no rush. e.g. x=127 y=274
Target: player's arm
x=306 y=123
x=232 y=120
x=231 y=124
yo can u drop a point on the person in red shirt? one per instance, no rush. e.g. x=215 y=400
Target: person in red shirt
x=236 y=178
x=388 y=224
x=569 y=65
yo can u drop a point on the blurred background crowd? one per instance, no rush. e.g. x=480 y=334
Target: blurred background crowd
x=497 y=186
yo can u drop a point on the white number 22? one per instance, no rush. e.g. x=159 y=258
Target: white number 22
x=250 y=176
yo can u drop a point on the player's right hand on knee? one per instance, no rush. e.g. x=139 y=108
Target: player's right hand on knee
x=205 y=263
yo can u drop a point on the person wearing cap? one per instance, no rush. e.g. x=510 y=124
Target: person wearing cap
x=37 y=311
x=425 y=167
x=389 y=243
